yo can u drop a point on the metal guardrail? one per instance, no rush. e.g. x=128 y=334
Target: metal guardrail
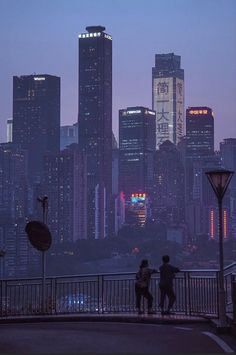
x=196 y=293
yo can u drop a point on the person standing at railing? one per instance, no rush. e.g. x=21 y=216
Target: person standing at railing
x=142 y=283
x=167 y=274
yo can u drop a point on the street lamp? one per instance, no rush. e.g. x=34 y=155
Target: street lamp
x=44 y=203
x=2 y=254
x=219 y=180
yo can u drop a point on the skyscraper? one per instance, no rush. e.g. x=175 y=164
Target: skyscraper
x=36 y=118
x=137 y=141
x=95 y=121
x=200 y=157
x=199 y=132
x=168 y=98
x=199 y=141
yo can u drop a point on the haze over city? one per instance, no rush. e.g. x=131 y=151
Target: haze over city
x=117 y=176
x=42 y=37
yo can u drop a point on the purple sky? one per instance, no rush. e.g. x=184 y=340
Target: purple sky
x=41 y=37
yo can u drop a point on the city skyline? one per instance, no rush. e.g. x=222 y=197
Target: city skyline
x=44 y=51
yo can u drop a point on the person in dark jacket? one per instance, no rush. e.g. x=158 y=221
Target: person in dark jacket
x=167 y=274
x=142 y=283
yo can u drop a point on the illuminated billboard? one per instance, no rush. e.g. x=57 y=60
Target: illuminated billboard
x=168 y=102
x=179 y=111
x=137 y=198
x=198 y=112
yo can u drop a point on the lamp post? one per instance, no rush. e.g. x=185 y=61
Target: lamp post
x=219 y=180
x=44 y=203
x=2 y=254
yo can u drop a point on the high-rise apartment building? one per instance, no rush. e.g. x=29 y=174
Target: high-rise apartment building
x=168 y=98
x=201 y=208
x=168 y=186
x=13 y=181
x=95 y=122
x=137 y=142
x=13 y=211
x=36 y=118
x=115 y=166
x=65 y=184
x=228 y=157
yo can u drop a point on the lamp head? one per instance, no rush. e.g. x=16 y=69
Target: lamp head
x=219 y=180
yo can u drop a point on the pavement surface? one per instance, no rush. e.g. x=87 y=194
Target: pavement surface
x=103 y=337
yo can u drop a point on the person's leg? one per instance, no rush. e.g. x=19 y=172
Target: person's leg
x=149 y=297
x=147 y=294
x=172 y=298
x=162 y=298
x=138 y=298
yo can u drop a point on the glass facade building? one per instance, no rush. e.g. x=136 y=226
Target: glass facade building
x=199 y=131
x=95 y=120
x=137 y=141
x=36 y=118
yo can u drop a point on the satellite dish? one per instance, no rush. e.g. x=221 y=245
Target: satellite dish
x=39 y=235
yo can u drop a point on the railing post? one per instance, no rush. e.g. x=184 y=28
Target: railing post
x=52 y=298
x=98 y=282
x=189 y=293
x=233 y=295
x=217 y=293
x=1 y=301
x=4 y=295
x=56 y=300
x=44 y=307
x=102 y=293
x=185 y=293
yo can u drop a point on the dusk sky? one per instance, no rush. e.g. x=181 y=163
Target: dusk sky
x=42 y=37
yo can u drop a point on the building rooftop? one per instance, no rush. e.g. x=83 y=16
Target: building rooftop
x=95 y=28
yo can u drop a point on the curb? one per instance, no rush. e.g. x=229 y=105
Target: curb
x=104 y=318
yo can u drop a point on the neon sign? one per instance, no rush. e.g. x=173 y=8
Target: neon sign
x=95 y=34
x=133 y=112
x=39 y=78
x=135 y=198
x=198 y=112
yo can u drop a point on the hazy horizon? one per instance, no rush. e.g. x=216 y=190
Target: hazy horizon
x=43 y=38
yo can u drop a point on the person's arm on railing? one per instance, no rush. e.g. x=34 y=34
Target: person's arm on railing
x=153 y=271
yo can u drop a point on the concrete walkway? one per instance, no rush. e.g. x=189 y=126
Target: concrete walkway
x=109 y=338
